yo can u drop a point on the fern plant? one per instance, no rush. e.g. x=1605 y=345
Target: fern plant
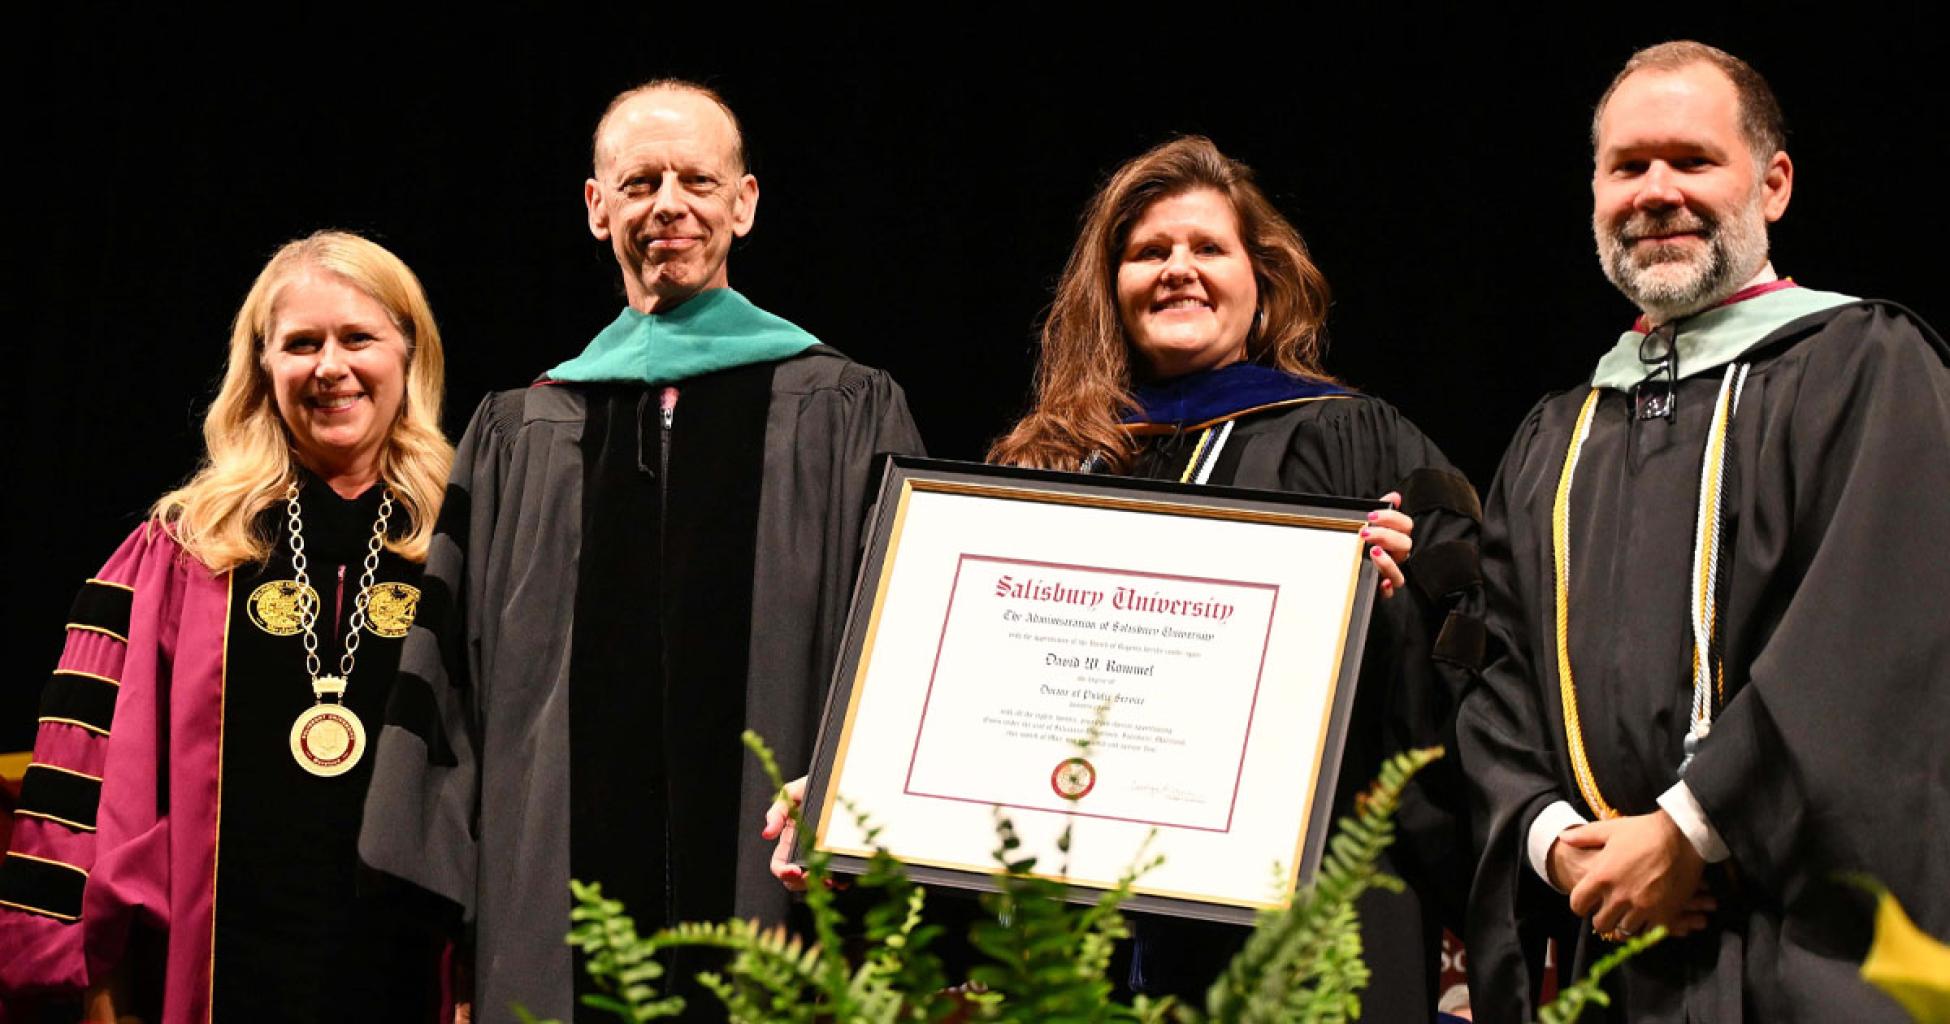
x=1587 y=990
x=1304 y=963
x=773 y=975
x=1048 y=959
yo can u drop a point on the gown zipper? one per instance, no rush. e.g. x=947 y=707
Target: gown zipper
x=667 y=410
x=667 y=413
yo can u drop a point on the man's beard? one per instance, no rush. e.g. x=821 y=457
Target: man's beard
x=1675 y=280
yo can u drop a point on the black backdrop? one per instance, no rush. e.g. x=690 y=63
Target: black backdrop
x=920 y=189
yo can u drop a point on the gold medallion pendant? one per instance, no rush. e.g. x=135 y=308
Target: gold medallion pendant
x=278 y=607
x=390 y=608
x=328 y=739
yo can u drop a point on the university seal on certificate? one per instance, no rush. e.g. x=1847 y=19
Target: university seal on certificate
x=1073 y=778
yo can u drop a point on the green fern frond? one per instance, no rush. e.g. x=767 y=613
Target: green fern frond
x=1304 y=963
x=1589 y=989
x=620 y=962
x=1048 y=958
x=833 y=979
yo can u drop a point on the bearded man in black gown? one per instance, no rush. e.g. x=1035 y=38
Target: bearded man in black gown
x=1718 y=669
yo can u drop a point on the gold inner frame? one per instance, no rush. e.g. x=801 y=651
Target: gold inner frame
x=1154 y=506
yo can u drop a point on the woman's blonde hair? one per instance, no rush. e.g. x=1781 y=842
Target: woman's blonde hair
x=248 y=462
x=1084 y=372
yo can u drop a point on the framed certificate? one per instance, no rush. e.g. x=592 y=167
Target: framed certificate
x=1209 y=636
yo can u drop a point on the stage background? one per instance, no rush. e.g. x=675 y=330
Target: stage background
x=920 y=191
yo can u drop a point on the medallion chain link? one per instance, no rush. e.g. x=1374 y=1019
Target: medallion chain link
x=308 y=599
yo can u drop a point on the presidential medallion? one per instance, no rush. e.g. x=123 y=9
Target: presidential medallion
x=328 y=739
x=390 y=608
x=278 y=607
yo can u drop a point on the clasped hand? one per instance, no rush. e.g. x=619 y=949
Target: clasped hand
x=1629 y=874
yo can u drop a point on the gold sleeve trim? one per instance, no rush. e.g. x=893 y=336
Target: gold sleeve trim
x=42 y=911
x=87 y=675
x=65 y=771
x=86 y=628
x=49 y=860
x=77 y=826
x=97 y=730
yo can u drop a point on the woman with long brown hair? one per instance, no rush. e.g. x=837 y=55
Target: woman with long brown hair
x=185 y=849
x=1185 y=343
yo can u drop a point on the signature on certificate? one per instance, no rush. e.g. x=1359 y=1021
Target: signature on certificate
x=1166 y=791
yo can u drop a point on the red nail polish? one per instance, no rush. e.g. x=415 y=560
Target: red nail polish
x=1375 y=551
x=1372 y=516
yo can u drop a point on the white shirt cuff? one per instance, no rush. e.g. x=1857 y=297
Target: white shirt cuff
x=1543 y=832
x=1683 y=807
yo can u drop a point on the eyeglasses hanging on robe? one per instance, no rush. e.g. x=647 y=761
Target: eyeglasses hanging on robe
x=1653 y=395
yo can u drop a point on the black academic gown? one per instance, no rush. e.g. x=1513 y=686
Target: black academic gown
x=611 y=599
x=1827 y=753
x=1421 y=649
x=300 y=932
